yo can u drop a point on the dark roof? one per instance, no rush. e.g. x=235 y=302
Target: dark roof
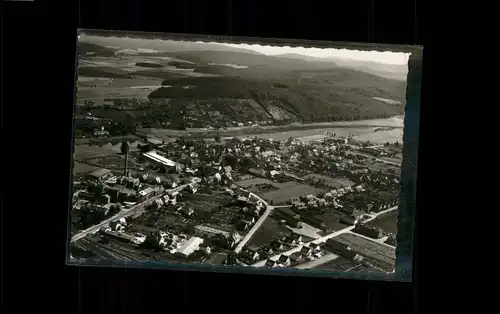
x=99 y=172
x=283 y=258
x=270 y=262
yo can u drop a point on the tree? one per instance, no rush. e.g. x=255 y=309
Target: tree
x=231 y=160
x=217 y=138
x=125 y=147
x=247 y=163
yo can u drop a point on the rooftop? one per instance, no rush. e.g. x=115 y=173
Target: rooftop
x=99 y=172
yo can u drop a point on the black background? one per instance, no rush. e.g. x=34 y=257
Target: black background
x=38 y=72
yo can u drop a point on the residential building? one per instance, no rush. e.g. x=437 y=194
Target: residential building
x=284 y=260
x=306 y=251
x=271 y=264
x=295 y=257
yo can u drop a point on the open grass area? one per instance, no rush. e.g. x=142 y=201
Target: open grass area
x=79 y=168
x=269 y=230
x=332 y=220
x=380 y=255
x=387 y=222
x=292 y=190
x=335 y=183
x=284 y=191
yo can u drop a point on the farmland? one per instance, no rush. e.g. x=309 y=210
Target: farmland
x=382 y=137
x=335 y=183
x=332 y=219
x=344 y=264
x=269 y=230
x=380 y=255
x=387 y=222
x=284 y=191
x=80 y=168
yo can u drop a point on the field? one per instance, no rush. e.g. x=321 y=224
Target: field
x=387 y=222
x=216 y=258
x=382 y=137
x=332 y=220
x=269 y=230
x=254 y=181
x=284 y=191
x=380 y=255
x=79 y=168
x=98 y=88
x=335 y=183
x=344 y=264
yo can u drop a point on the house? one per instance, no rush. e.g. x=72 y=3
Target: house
x=368 y=231
x=296 y=237
x=295 y=257
x=284 y=260
x=306 y=251
x=251 y=253
x=244 y=225
x=315 y=247
x=233 y=239
x=277 y=246
x=271 y=264
x=187 y=211
x=267 y=250
x=100 y=174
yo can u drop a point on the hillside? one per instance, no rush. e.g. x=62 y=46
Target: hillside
x=306 y=102
x=244 y=86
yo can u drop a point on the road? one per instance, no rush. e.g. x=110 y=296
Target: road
x=319 y=261
x=323 y=238
x=124 y=213
x=379 y=241
x=377 y=159
x=258 y=223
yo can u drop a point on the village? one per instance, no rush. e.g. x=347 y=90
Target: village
x=329 y=203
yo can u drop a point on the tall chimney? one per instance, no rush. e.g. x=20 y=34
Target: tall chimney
x=125 y=171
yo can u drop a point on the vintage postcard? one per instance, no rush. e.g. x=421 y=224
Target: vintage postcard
x=241 y=154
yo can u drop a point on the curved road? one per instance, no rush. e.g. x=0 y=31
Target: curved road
x=322 y=239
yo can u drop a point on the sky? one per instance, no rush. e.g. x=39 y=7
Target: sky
x=387 y=57
x=398 y=58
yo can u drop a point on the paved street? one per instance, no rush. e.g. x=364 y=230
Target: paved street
x=124 y=213
x=322 y=239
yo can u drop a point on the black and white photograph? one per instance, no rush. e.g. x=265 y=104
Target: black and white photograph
x=230 y=153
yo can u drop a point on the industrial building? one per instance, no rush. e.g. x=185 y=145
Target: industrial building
x=211 y=230
x=158 y=159
x=191 y=245
x=291 y=218
x=100 y=174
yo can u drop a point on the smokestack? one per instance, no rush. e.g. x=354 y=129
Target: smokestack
x=125 y=171
x=125 y=148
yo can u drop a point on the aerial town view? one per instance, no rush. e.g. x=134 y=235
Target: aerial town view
x=237 y=154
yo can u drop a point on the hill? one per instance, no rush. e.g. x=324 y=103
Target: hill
x=247 y=86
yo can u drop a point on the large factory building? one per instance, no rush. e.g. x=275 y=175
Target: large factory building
x=160 y=160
